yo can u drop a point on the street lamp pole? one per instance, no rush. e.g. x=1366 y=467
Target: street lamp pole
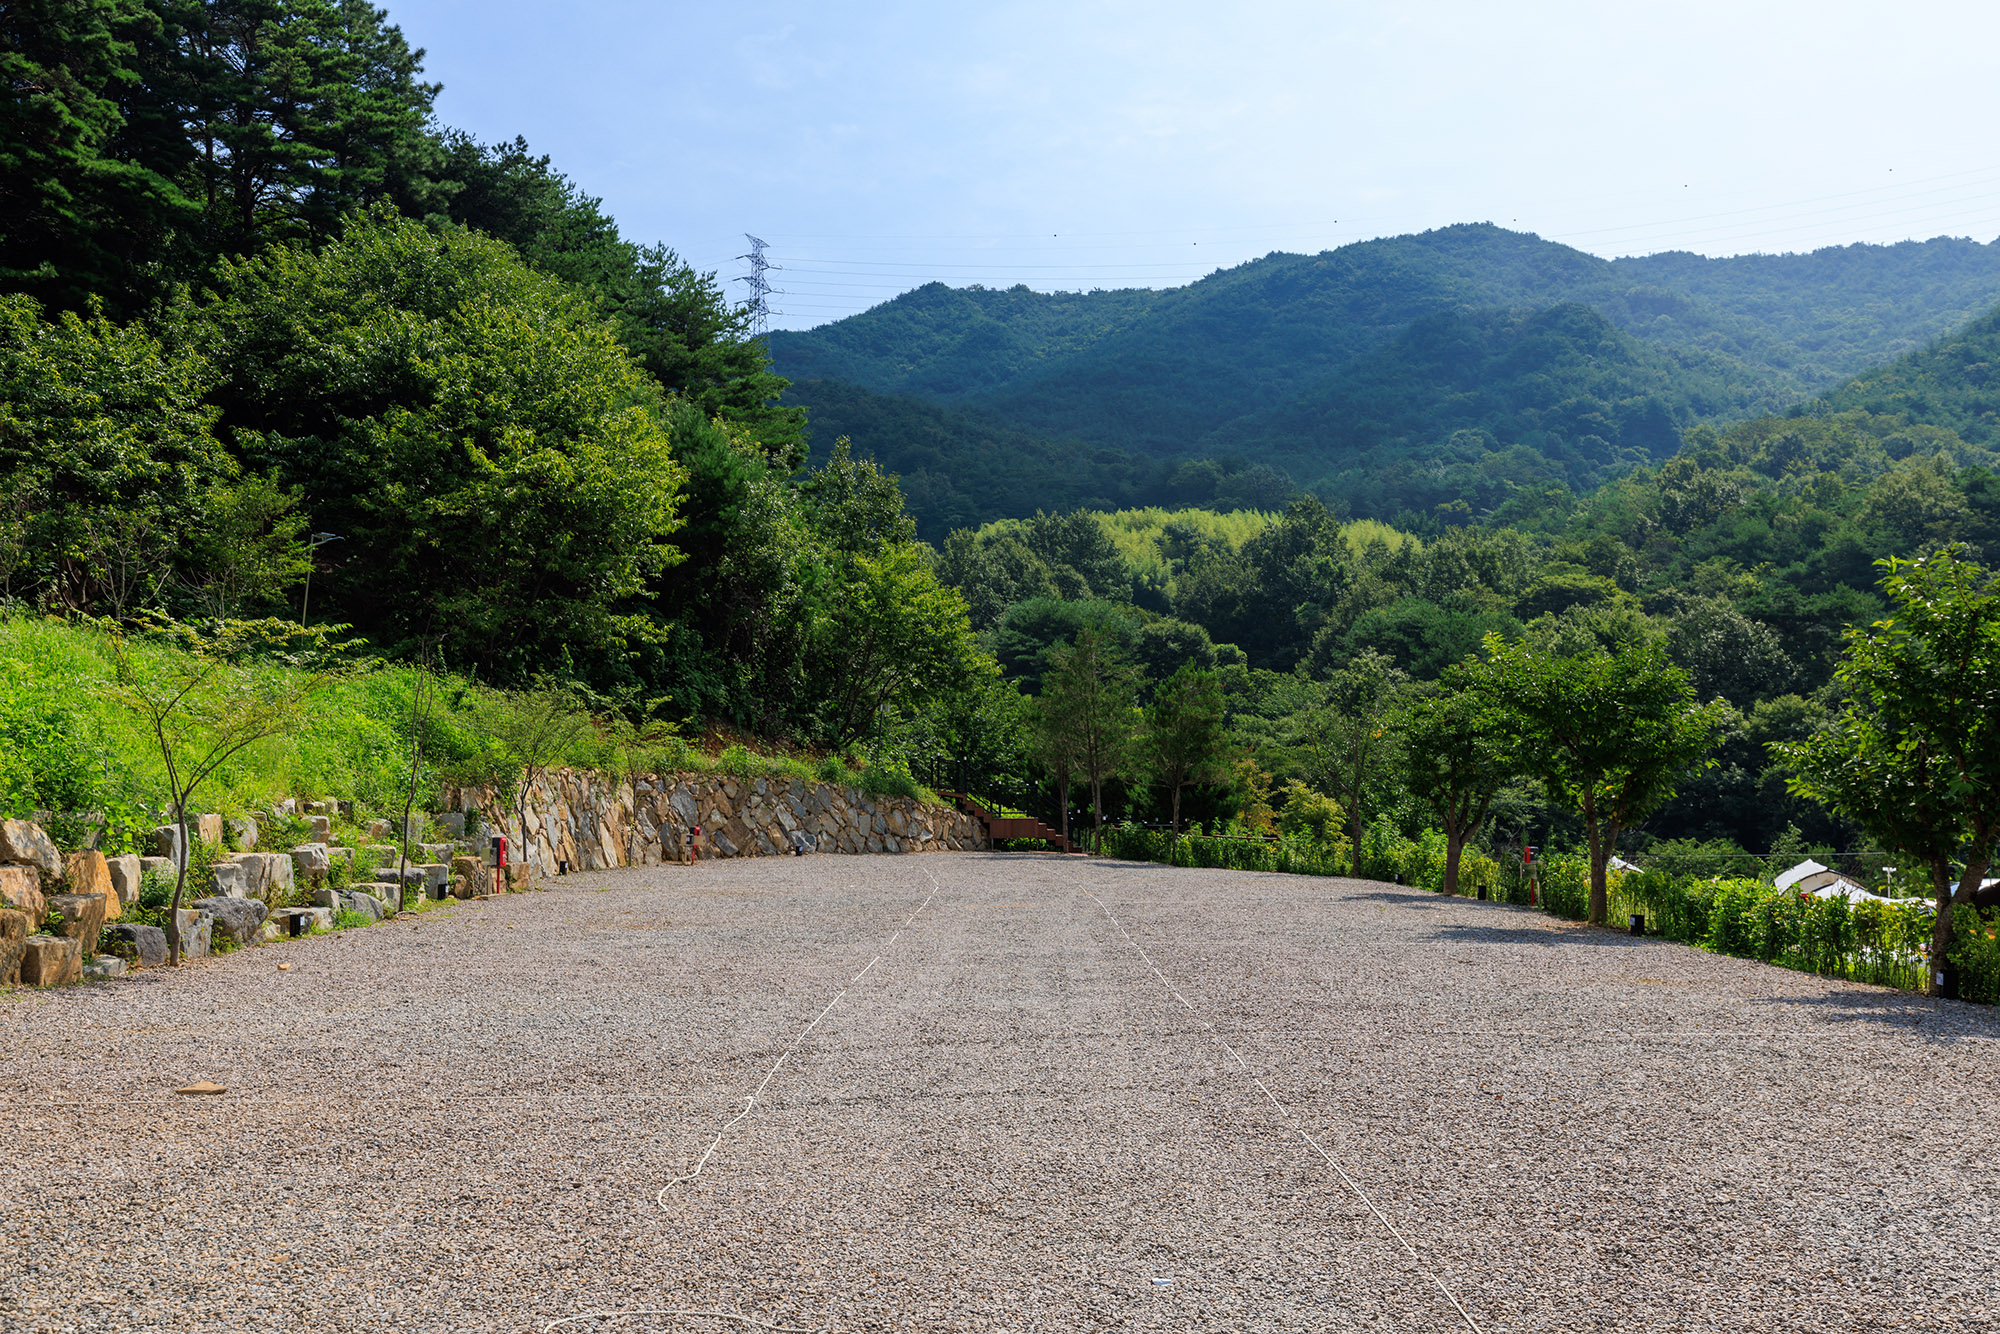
x=312 y=548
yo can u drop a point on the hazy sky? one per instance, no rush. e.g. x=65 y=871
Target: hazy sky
x=1077 y=145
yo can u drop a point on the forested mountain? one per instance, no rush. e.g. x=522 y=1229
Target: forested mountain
x=1954 y=383
x=1388 y=376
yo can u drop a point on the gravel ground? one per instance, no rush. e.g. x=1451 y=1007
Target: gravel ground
x=1008 y=1121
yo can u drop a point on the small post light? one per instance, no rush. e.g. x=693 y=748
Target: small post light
x=1638 y=924
x=1482 y=893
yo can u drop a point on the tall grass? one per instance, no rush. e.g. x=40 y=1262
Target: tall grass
x=70 y=751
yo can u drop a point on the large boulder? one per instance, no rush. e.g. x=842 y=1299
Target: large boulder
x=311 y=859
x=263 y=875
x=450 y=824
x=359 y=900
x=14 y=928
x=230 y=879
x=236 y=920
x=322 y=829
x=197 y=932
x=170 y=841
x=22 y=843
x=208 y=828
x=104 y=965
x=88 y=873
x=82 y=917
x=246 y=833
x=137 y=943
x=126 y=876
x=51 y=961
x=21 y=887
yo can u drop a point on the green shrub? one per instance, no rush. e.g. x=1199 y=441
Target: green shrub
x=1975 y=950
x=1565 y=882
x=1477 y=871
x=1384 y=852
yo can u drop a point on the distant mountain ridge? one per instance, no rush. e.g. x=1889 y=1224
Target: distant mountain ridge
x=1511 y=358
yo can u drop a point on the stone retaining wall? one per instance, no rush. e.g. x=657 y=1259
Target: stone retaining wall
x=593 y=822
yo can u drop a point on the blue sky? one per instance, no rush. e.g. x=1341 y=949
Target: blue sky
x=1085 y=145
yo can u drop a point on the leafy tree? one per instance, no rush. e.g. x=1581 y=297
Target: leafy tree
x=1452 y=757
x=1055 y=747
x=298 y=112
x=1314 y=816
x=90 y=199
x=1184 y=740
x=1090 y=690
x=893 y=638
x=497 y=466
x=1914 y=757
x=1610 y=732
x=209 y=703
x=109 y=465
x=1340 y=730
x=1029 y=633
x=1726 y=653
x=674 y=320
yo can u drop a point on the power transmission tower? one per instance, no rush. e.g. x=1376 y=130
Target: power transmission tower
x=761 y=291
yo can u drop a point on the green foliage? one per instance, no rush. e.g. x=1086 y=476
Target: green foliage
x=1088 y=719
x=1130 y=842
x=496 y=465
x=90 y=197
x=1310 y=815
x=109 y=466
x=1951 y=384
x=1183 y=740
x=1406 y=375
x=1612 y=733
x=1452 y=755
x=1914 y=757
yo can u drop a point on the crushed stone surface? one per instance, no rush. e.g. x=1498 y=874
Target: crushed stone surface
x=983 y=1109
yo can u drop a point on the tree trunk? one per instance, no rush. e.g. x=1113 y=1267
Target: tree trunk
x=1177 y=810
x=1600 y=894
x=180 y=880
x=1062 y=804
x=1454 y=844
x=1941 y=979
x=1097 y=817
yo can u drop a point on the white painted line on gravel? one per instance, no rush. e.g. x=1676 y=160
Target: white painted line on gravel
x=751 y=1101
x=1292 y=1118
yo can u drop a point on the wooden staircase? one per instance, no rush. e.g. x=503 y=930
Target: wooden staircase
x=1009 y=826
